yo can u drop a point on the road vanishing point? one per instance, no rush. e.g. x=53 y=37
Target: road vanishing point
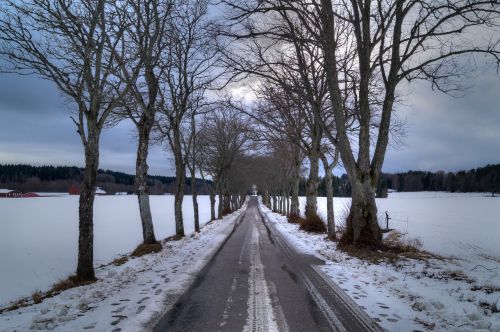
x=258 y=282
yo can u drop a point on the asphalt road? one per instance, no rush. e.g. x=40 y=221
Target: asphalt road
x=258 y=282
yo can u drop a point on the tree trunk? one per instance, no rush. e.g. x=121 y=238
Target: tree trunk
x=294 y=204
x=219 y=208
x=287 y=206
x=362 y=224
x=266 y=199
x=274 y=204
x=212 y=205
x=194 y=195
x=85 y=267
x=227 y=202
x=330 y=217
x=312 y=185
x=180 y=182
x=141 y=178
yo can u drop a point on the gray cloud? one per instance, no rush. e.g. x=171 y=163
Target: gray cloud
x=447 y=133
x=444 y=133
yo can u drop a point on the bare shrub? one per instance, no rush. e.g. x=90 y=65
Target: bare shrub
x=489 y=306
x=144 y=249
x=120 y=261
x=398 y=243
x=37 y=297
x=295 y=218
x=226 y=211
x=313 y=224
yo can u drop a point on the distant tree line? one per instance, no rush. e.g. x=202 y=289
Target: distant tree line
x=483 y=179
x=27 y=178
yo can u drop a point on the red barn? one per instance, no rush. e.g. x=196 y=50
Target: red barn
x=74 y=189
x=29 y=195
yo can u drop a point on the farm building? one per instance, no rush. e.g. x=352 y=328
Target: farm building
x=7 y=193
x=29 y=195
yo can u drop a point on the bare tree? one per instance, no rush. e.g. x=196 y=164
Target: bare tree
x=141 y=56
x=67 y=42
x=330 y=160
x=392 y=41
x=368 y=48
x=222 y=139
x=272 y=46
x=188 y=73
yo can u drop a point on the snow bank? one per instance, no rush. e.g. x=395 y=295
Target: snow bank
x=436 y=295
x=130 y=297
x=39 y=236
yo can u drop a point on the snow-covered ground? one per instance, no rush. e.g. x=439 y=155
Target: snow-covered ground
x=449 y=224
x=39 y=236
x=129 y=297
x=443 y=295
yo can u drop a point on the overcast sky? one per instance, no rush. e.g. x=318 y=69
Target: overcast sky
x=444 y=133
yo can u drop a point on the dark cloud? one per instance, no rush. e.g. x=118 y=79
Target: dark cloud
x=447 y=133
x=29 y=94
x=444 y=133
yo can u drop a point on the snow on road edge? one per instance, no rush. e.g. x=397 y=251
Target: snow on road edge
x=411 y=295
x=130 y=297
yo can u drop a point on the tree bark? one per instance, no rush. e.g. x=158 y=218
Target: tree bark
x=227 y=201
x=219 y=208
x=294 y=204
x=180 y=182
x=312 y=184
x=85 y=267
x=141 y=177
x=194 y=195
x=330 y=216
x=212 y=205
x=362 y=223
x=287 y=206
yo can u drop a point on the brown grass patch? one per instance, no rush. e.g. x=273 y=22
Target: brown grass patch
x=120 y=261
x=396 y=242
x=145 y=249
x=39 y=297
x=394 y=248
x=493 y=307
x=488 y=288
x=226 y=211
x=313 y=224
x=295 y=218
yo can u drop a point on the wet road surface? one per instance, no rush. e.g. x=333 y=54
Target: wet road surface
x=257 y=282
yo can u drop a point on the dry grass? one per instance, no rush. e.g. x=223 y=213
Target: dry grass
x=226 y=211
x=488 y=288
x=396 y=242
x=492 y=307
x=144 y=249
x=313 y=224
x=294 y=218
x=39 y=297
x=394 y=248
x=120 y=261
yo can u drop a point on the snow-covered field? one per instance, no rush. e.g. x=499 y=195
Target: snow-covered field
x=448 y=224
x=130 y=297
x=39 y=236
x=443 y=295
